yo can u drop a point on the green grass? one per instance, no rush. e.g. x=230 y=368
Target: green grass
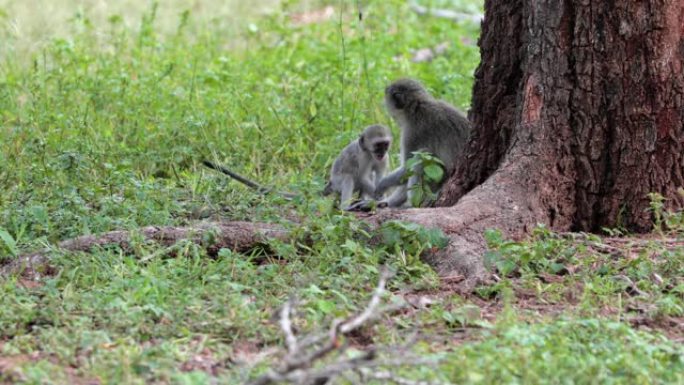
x=105 y=116
x=568 y=351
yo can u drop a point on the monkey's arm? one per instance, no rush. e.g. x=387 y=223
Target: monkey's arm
x=397 y=199
x=346 y=192
x=379 y=171
x=381 y=185
x=392 y=179
x=367 y=188
x=402 y=196
x=413 y=180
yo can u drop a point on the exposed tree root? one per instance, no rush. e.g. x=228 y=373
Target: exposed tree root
x=238 y=236
x=506 y=201
x=502 y=202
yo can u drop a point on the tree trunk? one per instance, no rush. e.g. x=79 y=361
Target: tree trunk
x=588 y=96
x=578 y=110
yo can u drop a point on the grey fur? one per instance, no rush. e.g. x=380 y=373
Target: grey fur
x=427 y=124
x=360 y=165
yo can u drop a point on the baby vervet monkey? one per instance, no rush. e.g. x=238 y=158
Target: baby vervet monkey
x=360 y=166
x=427 y=124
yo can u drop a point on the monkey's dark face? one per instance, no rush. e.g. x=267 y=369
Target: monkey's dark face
x=403 y=92
x=379 y=148
x=376 y=140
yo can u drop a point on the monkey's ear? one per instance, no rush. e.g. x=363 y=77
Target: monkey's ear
x=399 y=100
x=362 y=141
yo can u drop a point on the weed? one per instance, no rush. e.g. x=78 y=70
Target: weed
x=429 y=171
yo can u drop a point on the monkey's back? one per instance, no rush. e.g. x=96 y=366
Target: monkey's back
x=439 y=129
x=348 y=160
x=348 y=164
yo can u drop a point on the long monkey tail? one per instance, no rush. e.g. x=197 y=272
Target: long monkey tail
x=251 y=184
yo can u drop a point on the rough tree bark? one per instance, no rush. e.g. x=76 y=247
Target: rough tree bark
x=578 y=110
x=592 y=92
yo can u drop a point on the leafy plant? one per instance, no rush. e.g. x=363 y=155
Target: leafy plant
x=544 y=253
x=429 y=172
x=585 y=351
x=8 y=243
x=663 y=219
x=406 y=241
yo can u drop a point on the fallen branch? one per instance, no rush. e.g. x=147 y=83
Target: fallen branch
x=463 y=223
x=299 y=363
x=237 y=236
x=462 y=256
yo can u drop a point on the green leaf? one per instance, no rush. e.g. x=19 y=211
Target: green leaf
x=313 y=111
x=9 y=242
x=352 y=246
x=325 y=306
x=434 y=172
x=557 y=267
x=436 y=238
x=493 y=237
x=505 y=266
x=417 y=197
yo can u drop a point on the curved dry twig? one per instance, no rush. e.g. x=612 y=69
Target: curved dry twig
x=299 y=363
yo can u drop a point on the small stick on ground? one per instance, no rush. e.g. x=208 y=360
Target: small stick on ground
x=299 y=363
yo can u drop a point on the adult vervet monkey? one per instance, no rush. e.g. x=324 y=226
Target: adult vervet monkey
x=427 y=124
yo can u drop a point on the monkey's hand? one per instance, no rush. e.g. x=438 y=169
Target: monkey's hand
x=364 y=205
